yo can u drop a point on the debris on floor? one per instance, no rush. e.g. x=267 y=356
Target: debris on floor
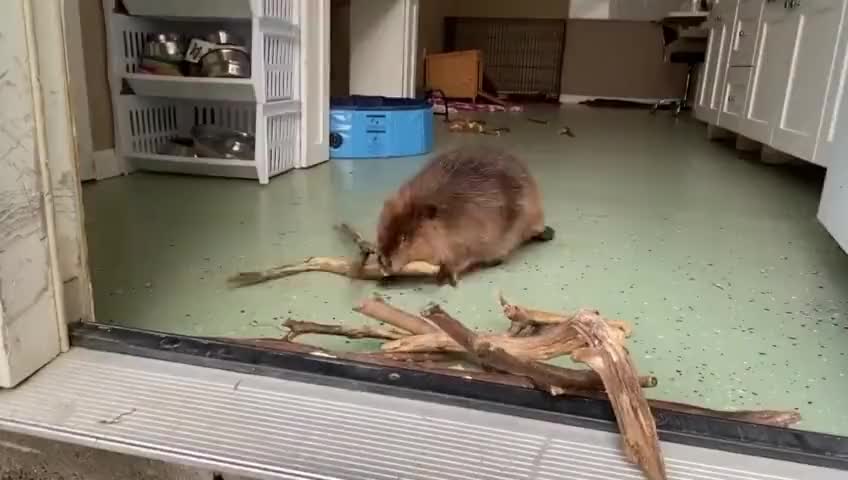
x=440 y=106
x=475 y=126
x=540 y=121
x=435 y=342
x=567 y=131
x=117 y=419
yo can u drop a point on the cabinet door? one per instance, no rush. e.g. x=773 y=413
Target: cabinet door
x=733 y=98
x=775 y=43
x=720 y=25
x=816 y=25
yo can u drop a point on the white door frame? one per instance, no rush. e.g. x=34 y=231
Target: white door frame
x=314 y=82
x=43 y=267
x=383 y=47
x=79 y=88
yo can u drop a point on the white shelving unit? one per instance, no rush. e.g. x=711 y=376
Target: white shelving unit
x=150 y=110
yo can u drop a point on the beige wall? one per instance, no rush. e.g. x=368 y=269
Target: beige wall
x=612 y=58
x=339 y=47
x=617 y=58
x=97 y=83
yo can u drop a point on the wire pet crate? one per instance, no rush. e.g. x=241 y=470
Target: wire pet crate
x=520 y=55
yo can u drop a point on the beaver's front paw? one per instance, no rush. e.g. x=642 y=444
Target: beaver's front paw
x=447 y=275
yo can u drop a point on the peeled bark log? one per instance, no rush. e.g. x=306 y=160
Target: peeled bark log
x=297 y=328
x=381 y=311
x=338 y=265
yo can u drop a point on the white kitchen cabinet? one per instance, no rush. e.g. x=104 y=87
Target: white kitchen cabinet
x=795 y=54
x=832 y=146
x=827 y=150
x=711 y=84
x=816 y=25
x=775 y=43
x=833 y=207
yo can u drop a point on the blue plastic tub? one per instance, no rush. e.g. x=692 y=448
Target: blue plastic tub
x=369 y=127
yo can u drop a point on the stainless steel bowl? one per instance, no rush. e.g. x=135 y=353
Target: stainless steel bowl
x=180 y=147
x=223 y=37
x=221 y=142
x=225 y=63
x=168 y=47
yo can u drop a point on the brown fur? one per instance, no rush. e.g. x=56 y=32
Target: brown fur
x=465 y=208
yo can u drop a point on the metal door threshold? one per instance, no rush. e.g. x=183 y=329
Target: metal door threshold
x=271 y=428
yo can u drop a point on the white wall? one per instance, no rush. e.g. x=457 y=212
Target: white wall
x=642 y=9
x=379 y=47
x=637 y=10
x=596 y=9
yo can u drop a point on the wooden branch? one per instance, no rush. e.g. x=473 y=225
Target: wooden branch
x=381 y=311
x=606 y=354
x=337 y=265
x=552 y=343
x=554 y=380
x=297 y=328
x=381 y=359
x=776 y=418
x=524 y=317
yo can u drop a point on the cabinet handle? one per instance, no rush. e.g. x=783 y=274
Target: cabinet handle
x=741 y=33
x=731 y=99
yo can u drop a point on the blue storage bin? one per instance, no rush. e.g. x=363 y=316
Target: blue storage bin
x=368 y=127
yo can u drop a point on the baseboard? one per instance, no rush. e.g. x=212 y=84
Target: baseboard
x=108 y=164
x=569 y=98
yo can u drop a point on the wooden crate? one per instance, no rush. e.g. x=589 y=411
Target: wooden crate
x=457 y=74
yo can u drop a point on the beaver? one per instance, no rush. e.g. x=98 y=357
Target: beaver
x=469 y=207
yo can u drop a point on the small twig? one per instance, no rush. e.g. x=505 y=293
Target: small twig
x=566 y=131
x=117 y=419
x=364 y=245
x=538 y=120
x=297 y=328
x=366 y=248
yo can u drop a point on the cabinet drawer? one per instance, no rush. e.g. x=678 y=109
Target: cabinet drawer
x=750 y=8
x=742 y=45
x=735 y=89
x=745 y=33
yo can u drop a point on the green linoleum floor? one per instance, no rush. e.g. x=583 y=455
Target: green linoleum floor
x=737 y=293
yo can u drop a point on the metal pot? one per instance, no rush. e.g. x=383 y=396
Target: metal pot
x=226 y=63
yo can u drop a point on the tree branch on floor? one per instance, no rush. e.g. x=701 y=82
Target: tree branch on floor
x=435 y=342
